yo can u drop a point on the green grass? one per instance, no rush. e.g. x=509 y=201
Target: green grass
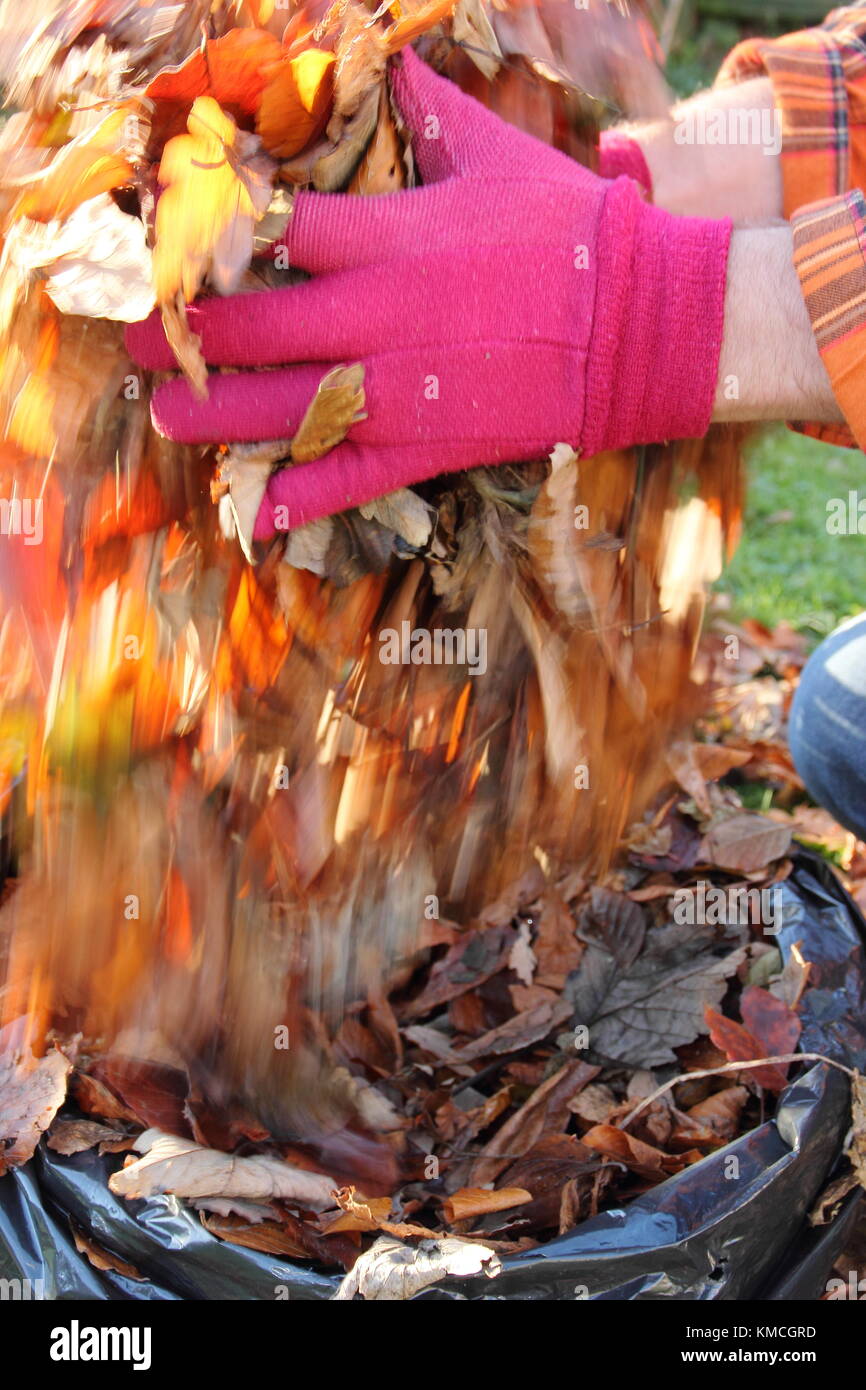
x=788 y=566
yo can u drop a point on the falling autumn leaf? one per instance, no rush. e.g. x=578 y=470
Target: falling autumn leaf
x=417 y=22
x=93 y=164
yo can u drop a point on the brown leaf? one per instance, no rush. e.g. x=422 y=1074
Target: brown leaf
x=101 y=1258
x=271 y=1237
x=187 y=1169
x=382 y=169
x=641 y=1158
x=745 y=843
x=356 y=1213
x=474 y=958
x=31 y=1092
x=361 y=52
x=337 y=405
x=155 y=1093
x=74 y=1136
x=360 y=1214
x=185 y=345
x=94 y=1097
x=857 y=1152
x=557 y=947
x=518 y=1032
x=721 y=1111
x=470 y=1202
x=546 y=1111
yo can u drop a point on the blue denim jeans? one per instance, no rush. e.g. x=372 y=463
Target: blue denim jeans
x=828 y=725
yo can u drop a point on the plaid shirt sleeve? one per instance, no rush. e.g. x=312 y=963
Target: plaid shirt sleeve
x=819 y=86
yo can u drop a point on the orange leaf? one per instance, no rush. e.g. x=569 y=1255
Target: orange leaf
x=412 y=25
x=296 y=102
x=773 y=1022
x=232 y=70
x=642 y=1158
x=178 y=919
x=470 y=1202
x=740 y=1045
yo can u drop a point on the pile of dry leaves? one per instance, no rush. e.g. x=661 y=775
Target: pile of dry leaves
x=505 y=1079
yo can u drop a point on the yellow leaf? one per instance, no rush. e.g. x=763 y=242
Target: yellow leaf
x=206 y=217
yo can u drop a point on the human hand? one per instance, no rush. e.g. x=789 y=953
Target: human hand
x=513 y=301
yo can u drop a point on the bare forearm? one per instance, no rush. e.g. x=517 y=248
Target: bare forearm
x=770 y=367
x=717 y=155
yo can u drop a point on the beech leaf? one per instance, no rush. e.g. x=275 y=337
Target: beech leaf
x=390 y=1271
x=31 y=1092
x=640 y=1013
x=337 y=405
x=217 y=185
x=170 y=1164
x=745 y=843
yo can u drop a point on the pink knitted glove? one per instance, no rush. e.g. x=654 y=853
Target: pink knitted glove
x=514 y=301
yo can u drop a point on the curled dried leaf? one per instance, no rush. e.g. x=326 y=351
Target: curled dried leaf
x=185 y=344
x=382 y=169
x=337 y=405
x=391 y=1271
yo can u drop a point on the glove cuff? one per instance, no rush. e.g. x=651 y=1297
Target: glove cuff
x=657 y=324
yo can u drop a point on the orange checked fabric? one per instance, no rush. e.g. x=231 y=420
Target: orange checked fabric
x=819 y=86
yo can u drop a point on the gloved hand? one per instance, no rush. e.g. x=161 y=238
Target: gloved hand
x=514 y=301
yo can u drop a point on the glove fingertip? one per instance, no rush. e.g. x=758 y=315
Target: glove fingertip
x=146 y=343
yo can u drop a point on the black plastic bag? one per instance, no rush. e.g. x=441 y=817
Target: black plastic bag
x=704 y=1234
